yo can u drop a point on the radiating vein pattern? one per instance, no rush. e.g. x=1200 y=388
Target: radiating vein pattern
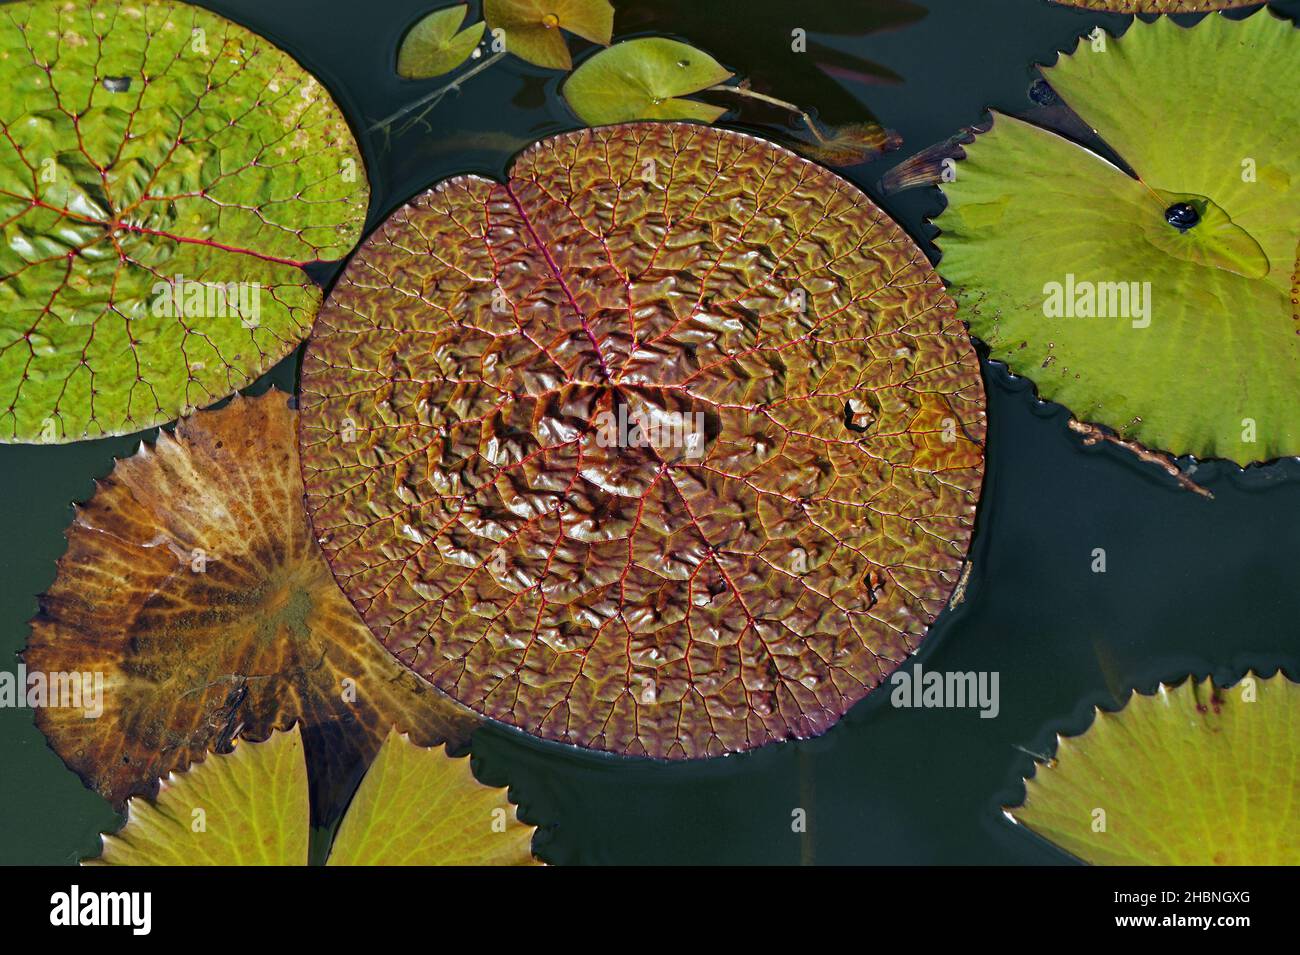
x=669 y=445
x=193 y=588
x=164 y=176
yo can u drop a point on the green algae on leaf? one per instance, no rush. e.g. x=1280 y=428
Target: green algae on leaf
x=415 y=806
x=1071 y=269
x=437 y=45
x=164 y=177
x=669 y=445
x=193 y=585
x=644 y=79
x=533 y=28
x=1192 y=775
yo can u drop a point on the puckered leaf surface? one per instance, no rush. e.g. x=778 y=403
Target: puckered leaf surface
x=1192 y=775
x=164 y=174
x=193 y=586
x=417 y=807
x=1157 y=6
x=742 y=569
x=1205 y=116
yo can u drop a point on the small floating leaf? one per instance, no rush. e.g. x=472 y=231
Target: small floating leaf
x=415 y=806
x=532 y=27
x=642 y=79
x=164 y=178
x=1178 y=334
x=193 y=588
x=1192 y=775
x=437 y=45
x=601 y=483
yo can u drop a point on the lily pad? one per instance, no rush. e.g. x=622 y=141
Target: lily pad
x=1158 y=6
x=417 y=807
x=1169 y=326
x=164 y=178
x=249 y=807
x=533 y=27
x=644 y=79
x=1192 y=775
x=193 y=588
x=437 y=45
x=670 y=444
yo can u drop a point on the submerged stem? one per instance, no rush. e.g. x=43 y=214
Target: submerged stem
x=432 y=97
x=772 y=100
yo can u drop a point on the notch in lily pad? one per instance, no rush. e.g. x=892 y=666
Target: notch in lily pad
x=437 y=45
x=645 y=78
x=534 y=29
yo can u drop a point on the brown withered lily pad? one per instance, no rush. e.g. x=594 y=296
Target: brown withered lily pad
x=668 y=445
x=192 y=584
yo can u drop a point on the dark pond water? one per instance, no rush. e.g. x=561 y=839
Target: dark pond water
x=1192 y=586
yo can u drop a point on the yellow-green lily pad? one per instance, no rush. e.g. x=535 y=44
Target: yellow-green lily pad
x=1191 y=775
x=644 y=79
x=1154 y=300
x=437 y=45
x=249 y=807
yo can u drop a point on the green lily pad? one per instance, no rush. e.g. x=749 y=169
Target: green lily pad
x=164 y=178
x=249 y=807
x=437 y=45
x=667 y=445
x=415 y=806
x=1158 y=6
x=1192 y=775
x=1067 y=266
x=643 y=79
x=533 y=27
